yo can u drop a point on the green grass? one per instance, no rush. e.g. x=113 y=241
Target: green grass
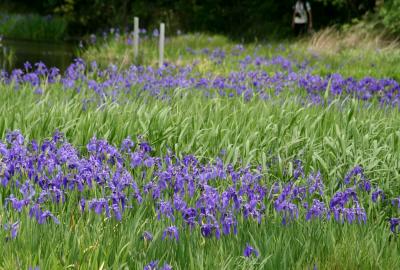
x=331 y=139
x=89 y=242
x=378 y=62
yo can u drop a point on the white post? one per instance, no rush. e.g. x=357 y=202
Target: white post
x=161 y=44
x=136 y=37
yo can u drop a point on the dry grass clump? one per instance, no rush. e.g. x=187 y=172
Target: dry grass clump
x=359 y=36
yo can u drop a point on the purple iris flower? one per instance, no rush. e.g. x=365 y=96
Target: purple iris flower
x=317 y=209
x=394 y=224
x=136 y=159
x=208 y=229
x=147 y=236
x=290 y=210
x=396 y=202
x=145 y=147
x=189 y=217
x=315 y=184
x=127 y=144
x=82 y=204
x=166 y=267
x=117 y=212
x=376 y=194
x=357 y=170
x=27 y=66
x=17 y=204
x=151 y=266
x=13 y=228
x=46 y=215
x=171 y=232
x=149 y=162
x=299 y=170
x=249 y=251
x=165 y=208
x=229 y=224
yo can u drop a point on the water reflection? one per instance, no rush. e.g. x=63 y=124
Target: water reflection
x=14 y=53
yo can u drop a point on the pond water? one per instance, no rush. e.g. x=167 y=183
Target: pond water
x=14 y=53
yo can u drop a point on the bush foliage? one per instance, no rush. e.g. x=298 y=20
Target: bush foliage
x=32 y=26
x=233 y=17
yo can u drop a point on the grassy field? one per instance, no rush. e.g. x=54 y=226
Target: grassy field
x=324 y=53
x=260 y=119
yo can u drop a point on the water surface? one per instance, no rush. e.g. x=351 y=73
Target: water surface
x=14 y=53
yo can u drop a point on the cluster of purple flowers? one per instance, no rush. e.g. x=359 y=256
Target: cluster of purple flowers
x=249 y=81
x=212 y=198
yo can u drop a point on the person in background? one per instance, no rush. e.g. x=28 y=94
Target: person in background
x=302 y=17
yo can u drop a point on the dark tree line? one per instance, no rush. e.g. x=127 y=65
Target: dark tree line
x=249 y=18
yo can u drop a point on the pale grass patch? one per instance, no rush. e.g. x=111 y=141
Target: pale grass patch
x=332 y=41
